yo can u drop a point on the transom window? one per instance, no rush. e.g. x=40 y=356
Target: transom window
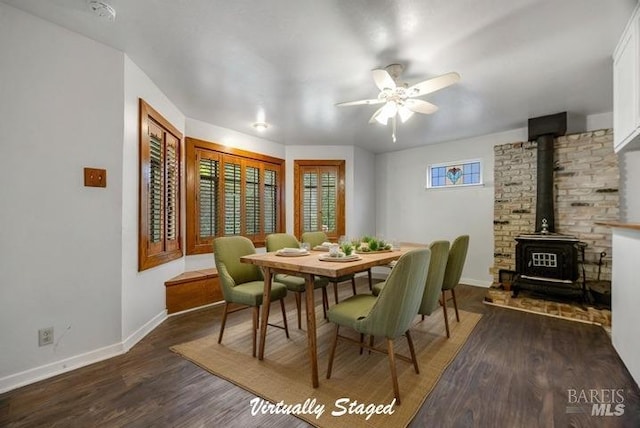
x=454 y=174
x=231 y=192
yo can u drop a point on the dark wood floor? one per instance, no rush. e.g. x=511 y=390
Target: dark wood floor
x=514 y=371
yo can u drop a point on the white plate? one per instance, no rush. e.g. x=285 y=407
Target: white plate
x=291 y=254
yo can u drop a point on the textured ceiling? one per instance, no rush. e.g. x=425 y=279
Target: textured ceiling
x=223 y=62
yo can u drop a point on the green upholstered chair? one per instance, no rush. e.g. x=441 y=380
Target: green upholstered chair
x=277 y=241
x=242 y=283
x=452 y=274
x=389 y=315
x=317 y=238
x=437 y=266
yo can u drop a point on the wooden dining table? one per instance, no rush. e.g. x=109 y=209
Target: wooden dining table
x=308 y=266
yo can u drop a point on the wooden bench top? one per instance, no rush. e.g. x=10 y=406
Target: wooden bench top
x=193 y=275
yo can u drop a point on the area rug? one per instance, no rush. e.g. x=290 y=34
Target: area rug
x=565 y=310
x=359 y=393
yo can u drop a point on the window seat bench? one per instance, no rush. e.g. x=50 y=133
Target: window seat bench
x=192 y=289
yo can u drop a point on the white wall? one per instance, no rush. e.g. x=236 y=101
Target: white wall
x=230 y=138
x=143 y=293
x=364 y=196
x=61 y=101
x=407 y=211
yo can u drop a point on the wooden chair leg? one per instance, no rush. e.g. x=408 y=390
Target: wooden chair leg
x=392 y=366
x=353 y=285
x=413 y=352
x=335 y=292
x=224 y=321
x=361 y=341
x=371 y=338
x=444 y=311
x=284 y=318
x=325 y=302
x=333 y=351
x=422 y=317
x=455 y=304
x=370 y=280
x=298 y=304
x=256 y=317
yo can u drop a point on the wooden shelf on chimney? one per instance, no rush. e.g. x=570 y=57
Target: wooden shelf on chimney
x=632 y=226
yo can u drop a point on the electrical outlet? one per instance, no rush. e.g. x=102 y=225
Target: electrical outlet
x=45 y=336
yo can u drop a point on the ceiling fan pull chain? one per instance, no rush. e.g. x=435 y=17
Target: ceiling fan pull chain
x=393 y=127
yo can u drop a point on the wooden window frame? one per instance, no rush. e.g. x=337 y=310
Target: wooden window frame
x=297 y=194
x=155 y=254
x=197 y=245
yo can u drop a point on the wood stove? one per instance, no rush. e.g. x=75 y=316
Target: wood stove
x=546 y=261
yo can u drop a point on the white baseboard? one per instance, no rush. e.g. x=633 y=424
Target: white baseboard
x=58 y=367
x=147 y=328
x=77 y=361
x=196 y=309
x=468 y=281
x=476 y=282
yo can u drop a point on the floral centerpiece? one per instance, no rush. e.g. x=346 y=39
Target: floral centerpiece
x=371 y=244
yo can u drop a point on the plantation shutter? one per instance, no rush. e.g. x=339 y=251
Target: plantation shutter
x=232 y=196
x=208 y=196
x=270 y=200
x=310 y=202
x=156 y=189
x=252 y=200
x=329 y=198
x=172 y=195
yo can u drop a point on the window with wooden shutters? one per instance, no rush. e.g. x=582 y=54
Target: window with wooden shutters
x=159 y=225
x=319 y=197
x=231 y=192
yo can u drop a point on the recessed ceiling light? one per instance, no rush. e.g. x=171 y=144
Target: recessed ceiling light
x=260 y=126
x=102 y=9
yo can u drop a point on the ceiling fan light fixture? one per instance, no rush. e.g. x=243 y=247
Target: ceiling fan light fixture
x=399 y=98
x=382 y=119
x=260 y=126
x=404 y=113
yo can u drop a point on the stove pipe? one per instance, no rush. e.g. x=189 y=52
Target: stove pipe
x=545 y=217
x=543 y=130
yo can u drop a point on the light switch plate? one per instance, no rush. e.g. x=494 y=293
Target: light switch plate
x=95 y=177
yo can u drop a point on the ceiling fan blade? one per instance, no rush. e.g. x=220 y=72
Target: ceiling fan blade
x=432 y=85
x=383 y=79
x=420 y=106
x=361 y=102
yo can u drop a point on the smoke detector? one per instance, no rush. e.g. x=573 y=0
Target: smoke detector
x=102 y=9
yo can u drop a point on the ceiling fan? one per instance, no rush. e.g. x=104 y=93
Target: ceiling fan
x=399 y=98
